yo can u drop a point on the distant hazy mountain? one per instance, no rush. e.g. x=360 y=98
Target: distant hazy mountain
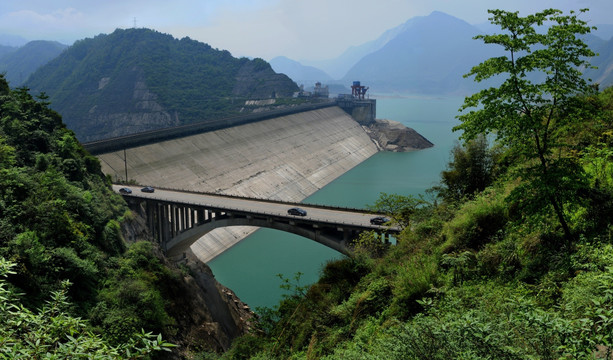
x=23 y=61
x=139 y=79
x=5 y=49
x=301 y=74
x=338 y=67
x=603 y=75
x=601 y=42
x=12 y=40
x=604 y=31
x=430 y=55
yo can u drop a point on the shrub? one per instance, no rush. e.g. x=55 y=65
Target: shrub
x=52 y=333
x=415 y=276
x=472 y=169
x=132 y=297
x=476 y=223
x=369 y=301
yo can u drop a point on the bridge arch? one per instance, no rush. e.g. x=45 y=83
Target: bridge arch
x=184 y=240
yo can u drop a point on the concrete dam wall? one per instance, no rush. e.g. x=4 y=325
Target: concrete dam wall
x=284 y=158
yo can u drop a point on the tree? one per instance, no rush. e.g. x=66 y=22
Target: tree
x=399 y=208
x=472 y=169
x=537 y=99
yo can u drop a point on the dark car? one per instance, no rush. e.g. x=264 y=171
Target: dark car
x=147 y=189
x=125 y=191
x=297 y=211
x=379 y=220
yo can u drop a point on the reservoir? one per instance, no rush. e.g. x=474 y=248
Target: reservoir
x=250 y=268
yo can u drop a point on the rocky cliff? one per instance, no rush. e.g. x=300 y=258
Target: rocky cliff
x=208 y=315
x=393 y=136
x=257 y=80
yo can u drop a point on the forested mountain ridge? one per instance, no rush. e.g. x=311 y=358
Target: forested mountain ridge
x=138 y=79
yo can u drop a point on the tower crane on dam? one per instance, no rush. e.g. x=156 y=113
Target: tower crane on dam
x=358 y=91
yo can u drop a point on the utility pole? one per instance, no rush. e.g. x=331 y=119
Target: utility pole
x=125 y=162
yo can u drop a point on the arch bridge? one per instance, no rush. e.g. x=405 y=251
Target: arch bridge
x=177 y=219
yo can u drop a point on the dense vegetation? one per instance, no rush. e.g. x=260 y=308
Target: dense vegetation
x=511 y=257
x=62 y=257
x=99 y=79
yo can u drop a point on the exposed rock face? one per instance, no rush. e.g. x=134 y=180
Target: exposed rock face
x=138 y=111
x=393 y=136
x=257 y=80
x=142 y=111
x=208 y=315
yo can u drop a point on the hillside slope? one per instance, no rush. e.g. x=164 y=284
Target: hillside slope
x=475 y=274
x=60 y=221
x=138 y=79
x=20 y=63
x=603 y=73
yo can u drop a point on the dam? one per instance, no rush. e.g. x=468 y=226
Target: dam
x=283 y=158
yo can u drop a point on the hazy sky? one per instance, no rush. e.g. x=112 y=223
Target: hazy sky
x=299 y=29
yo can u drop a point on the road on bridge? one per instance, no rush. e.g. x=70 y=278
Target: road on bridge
x=324 y=215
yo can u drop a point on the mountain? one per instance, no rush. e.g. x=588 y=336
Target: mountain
x=12 y=40
x=420 y=55
x=604 y=31
x=135 y=80
x=301 y=74
x=21 y=62
x=339 y=66
x=430 y=55
x=603 y=74
x=4 y=49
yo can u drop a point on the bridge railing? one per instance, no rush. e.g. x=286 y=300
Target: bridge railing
x=267 y=200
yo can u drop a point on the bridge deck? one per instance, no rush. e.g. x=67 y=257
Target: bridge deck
x=325 y=215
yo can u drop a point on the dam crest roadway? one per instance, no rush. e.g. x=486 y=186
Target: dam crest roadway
x=177 y=219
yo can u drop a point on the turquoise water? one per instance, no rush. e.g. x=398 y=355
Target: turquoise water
x=250 y=268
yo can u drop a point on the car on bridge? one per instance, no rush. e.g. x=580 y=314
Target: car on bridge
x=125 y=191
x=297 y=212
x=147 y=189
x=379 y=220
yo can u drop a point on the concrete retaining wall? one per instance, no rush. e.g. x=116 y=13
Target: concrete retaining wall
x=285 y=158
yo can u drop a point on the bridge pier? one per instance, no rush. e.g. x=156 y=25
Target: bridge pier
x=166 y=223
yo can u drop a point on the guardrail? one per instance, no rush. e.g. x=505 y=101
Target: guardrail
x=283 y=202
x=152 y=136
